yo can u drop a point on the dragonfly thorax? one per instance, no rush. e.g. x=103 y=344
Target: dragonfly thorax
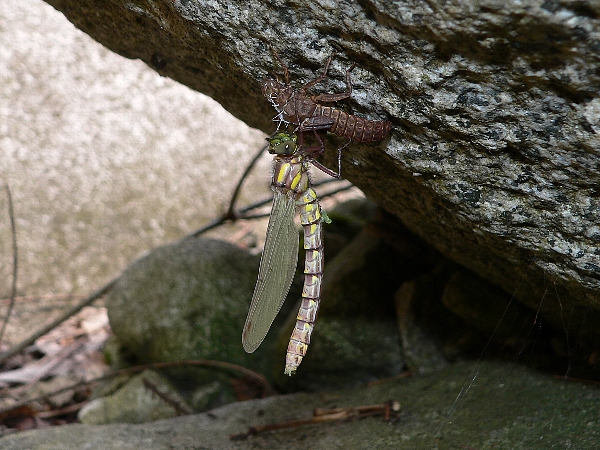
x=290 y=174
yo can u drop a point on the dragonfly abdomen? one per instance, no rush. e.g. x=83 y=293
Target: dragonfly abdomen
x=311 y=220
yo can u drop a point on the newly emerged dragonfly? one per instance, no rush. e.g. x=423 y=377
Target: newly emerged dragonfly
x=291 y=185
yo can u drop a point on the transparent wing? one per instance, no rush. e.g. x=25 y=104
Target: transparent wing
x=277 y=268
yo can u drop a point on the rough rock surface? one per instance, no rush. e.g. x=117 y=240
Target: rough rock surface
x=494 y=154
x=183 y=301
x=134 y=402
x=505 y=407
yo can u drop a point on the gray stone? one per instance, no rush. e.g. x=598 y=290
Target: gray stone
x=501 y=407
x=186 y=300
x=105 y=159
x=485 y=307
x=494 y=154
x=145 y=397
x=422 y=324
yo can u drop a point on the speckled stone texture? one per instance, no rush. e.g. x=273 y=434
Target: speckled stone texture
x=493 y=158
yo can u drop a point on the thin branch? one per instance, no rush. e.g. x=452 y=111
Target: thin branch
x=263 y=202
x=336 y=190
x=254 y=377
x=209 y=226
x=180 y=408
x=268 y=200
x=241 y=212
x=70 y=312
x=231 y=214
x=13 y=292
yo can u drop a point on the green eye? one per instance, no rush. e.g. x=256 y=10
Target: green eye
x=282 y=144
x=285 y=148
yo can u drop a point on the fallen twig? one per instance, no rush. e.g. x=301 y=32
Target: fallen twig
x=60 y=412
x=387 y=409
x=180 y=408
x=34 y=372
x=254 y=377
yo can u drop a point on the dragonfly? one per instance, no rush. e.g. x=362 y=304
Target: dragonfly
x=292 y=190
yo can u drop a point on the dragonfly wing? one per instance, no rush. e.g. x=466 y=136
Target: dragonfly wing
x=277 y=268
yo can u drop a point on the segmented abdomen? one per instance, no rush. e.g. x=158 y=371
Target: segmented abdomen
x=353 y=127
x=311 y=220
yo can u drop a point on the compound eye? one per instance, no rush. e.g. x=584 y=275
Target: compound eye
x=285 y=148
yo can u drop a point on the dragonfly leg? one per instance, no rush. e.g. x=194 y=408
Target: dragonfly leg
x=337 y=97
x=321 y=167
x=311 y=151
x=318 y=150
x=320 y=77
x=286 y=73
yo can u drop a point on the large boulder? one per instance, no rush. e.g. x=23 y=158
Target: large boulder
x=186 y=300
x=493 y=158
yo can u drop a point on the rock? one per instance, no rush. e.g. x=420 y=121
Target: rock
x=187 y=300
x=493 y=156
x=448 y=314
x=145 y=397
x=504 y=407
x=485 y=307
x=423 y=324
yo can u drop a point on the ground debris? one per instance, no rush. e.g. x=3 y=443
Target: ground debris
x=69 y=354
x=388 y=410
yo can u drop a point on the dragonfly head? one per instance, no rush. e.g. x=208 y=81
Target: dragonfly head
x=282 y=144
